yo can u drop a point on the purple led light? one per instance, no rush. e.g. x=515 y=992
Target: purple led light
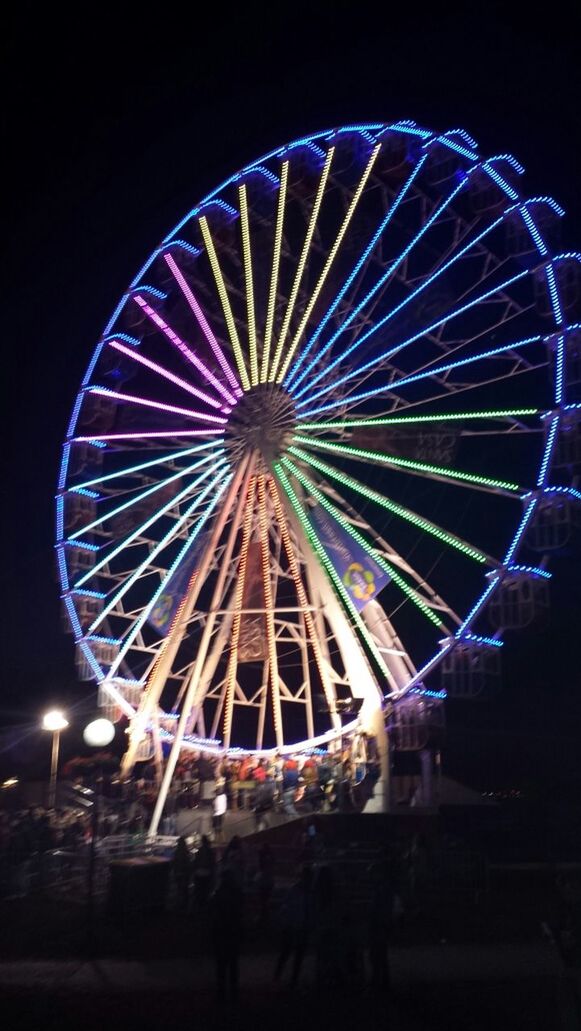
x=159 y=369
x=147 y=403
x=185 y=350
x=204 y=326
x=153 y=433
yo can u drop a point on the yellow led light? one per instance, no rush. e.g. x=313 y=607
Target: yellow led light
x=274 y=274
x=225 y=302
x=330 y=259
x=301 y=266
x=247 y=259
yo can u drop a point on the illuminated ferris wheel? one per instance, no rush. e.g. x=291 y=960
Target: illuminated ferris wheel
x=330 y=412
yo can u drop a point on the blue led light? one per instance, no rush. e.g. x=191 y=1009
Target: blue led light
x=99 y=673
x=96 y=443
x=83 y=490
x=571 y=491
x=85 y=593
x=542 y=478
x=122 y=336
x=217 y=203
x=151 y=290
x=352 y=275
x=75 y=413
x=478 y=639
x=532 y=228
x=91 y=367
x=426 y=692
x=479 y=604
x=62 y=564
x=103 y=640
x=72 y=613
x=521 y=529
x=60 y=517
x=409 y=128
x=264 y=171
x=554 y=294
x=309 y=145
x=534 y=571
x=183 y=246
x=498 y=179
x=81 y=544
x=560 y=370
x=64 y=465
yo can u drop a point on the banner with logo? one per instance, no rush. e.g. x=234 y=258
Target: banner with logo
x=166 y=606
x=359 y=572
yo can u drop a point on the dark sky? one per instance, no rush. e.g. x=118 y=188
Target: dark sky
x=111 y=130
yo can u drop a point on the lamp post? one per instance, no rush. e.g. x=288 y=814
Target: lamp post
x=97 y=734
x=54 y=721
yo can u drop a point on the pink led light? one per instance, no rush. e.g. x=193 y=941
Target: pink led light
x=203 y=323
x=153 y=433
x=137 y=357
x=132 y=399
x=185 y=350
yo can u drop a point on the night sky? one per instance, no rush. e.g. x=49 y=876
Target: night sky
x=111 y=132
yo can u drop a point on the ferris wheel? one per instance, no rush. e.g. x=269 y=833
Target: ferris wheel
x=334 y=408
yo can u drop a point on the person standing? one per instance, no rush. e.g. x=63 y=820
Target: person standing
x=219 y=810
x=226 y=922
x=204 y=873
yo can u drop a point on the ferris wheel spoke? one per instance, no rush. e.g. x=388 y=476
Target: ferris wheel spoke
x=328 y=263
x=403 y=381
x=272 y=376
x=387 y=567
x=248 y=282
x=435 y=472
x=269 y=607
x=399 y=510
x=346 y=424
x=135 y=356
x=303 y=601
x=162 y=460
x=142 y=568
x=425 y=284
x=225 y=302
x=145 y=494
x=232 y=670
x=146 y=402
x=293 y=379
x=327 y=564
x=140 y=530
x=209 y=335
x=102 y=438
x=136 y=629
x=183 y=347
x=271 y=306
x=385 y=356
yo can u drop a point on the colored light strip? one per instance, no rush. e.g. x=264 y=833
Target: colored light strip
x=302 y=597
x=344 y=424
x=152 y=519
x=383 y=279
x=182 y=347
x=175 y=565
x=205 y=327
x=148 y=403
x=269 y=607
x=135 y=356
x=530 y=570
x=146 y=493
x=274 y=272
x=391 y=506
x=294 y=380
x=237 y=621
x=89 y=594
x=147 y=465
x=479 y=639
x=551 y=438
x=272 y=376
x=84 y=492
x=405 y=463
x=151 y=435
x=225 y=302
x=172 y=533
x=328 y=566
x=247 y=262
x=361 y=540
x=428 y=372
x=327 y=266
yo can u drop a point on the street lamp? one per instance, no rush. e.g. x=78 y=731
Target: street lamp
x=55 y=722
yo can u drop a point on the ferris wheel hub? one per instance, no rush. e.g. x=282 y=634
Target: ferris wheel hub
x=262 y=423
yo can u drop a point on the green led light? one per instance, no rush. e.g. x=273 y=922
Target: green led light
x=377 y=557
x=391 y=506
x=330 y=568
x=343 y=424
x=406 y=463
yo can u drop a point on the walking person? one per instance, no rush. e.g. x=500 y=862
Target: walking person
x=219 y=810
